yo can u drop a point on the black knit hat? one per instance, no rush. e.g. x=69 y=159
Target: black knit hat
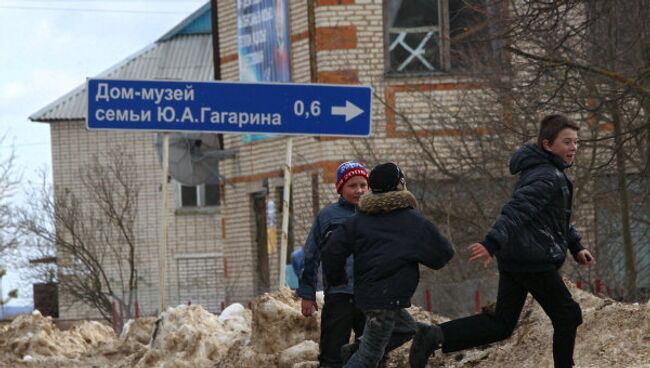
x=385 y=178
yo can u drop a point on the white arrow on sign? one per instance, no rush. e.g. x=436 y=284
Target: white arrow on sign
x=350 y=110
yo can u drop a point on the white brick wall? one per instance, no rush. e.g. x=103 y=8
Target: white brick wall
x=72 y=149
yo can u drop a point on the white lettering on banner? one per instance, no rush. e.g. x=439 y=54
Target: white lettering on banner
x=266 y=119
x=239 y=118
x=258 y=17
x=99 y=115
x=169 y=94
x=243 y=118
x=102 y=92
x=253 y=58
x=187 y=116
x=148 y=93
x=188 y=93
x=258 y=119
x=145 y=116
x=121 y=93
x=116 y=93
x=256 y=38
x=245 y=41
x=243 y=4
x=232 y=118
x=159 y=95
x=259 y=37
x=205 y=112
x=155 y=94
x=166 y=114
x=122 y=115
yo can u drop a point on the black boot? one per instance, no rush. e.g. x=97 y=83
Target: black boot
x=427 y=339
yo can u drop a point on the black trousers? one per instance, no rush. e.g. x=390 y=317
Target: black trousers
x=551 y=293
x=338 y=319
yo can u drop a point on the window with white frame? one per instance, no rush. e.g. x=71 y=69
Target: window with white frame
x=431 y=36
x=204 y=195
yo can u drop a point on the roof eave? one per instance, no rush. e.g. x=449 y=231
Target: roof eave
x=191 y=18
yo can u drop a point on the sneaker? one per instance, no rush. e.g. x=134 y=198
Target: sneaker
x=348 y=350
x=427 y=339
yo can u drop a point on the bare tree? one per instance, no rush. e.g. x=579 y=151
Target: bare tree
x=12 y=294
x=515 y=62
x=92 y=233
x=9 y=180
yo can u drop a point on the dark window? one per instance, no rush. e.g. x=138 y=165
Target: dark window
x=189 y=196
x=212 y=194
x=200 y=195
x=426 y=36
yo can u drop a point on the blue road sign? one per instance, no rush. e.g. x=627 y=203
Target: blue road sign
x=225 y=107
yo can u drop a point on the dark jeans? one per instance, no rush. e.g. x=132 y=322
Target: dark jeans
x=385 y=330
x=551 y=293
x=338 y=318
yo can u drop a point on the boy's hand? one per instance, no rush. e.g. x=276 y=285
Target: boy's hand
x=584 y=257
x=308 y=307
x=478 y=252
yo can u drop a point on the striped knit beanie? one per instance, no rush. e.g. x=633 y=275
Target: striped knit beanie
x=347 y=170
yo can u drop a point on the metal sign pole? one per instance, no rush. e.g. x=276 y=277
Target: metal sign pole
x=162 y=251
x=285 y=213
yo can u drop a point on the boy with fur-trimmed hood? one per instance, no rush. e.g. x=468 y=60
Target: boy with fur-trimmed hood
x=388 y=238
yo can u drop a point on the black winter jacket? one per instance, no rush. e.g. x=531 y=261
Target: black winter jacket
x=388 y=238
x=533 y=231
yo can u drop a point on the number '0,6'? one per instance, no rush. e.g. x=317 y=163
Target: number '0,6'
x=299 y=108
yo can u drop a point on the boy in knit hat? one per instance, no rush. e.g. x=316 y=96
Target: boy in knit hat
x=339 y=316
x=388 y=238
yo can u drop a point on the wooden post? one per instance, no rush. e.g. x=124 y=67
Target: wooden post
x=162 y=251
x=285 y=213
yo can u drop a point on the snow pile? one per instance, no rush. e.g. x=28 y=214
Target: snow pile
x=278 y=323
x=139 y=330
x=34 y=338
x=281 y=336
x=275 y=334
x=191 y=336
x=612 y=335
x=236 y=321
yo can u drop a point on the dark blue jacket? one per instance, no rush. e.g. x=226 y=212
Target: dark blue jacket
x=388 y=239
x=327 y=220
x=534 y=231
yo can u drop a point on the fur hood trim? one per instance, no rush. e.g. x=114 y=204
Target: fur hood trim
x=374 y=203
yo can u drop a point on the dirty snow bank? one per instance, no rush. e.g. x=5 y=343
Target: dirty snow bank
x=612 y=335
x=275 y=334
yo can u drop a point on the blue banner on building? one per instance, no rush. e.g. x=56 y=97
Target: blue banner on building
x=263 y=40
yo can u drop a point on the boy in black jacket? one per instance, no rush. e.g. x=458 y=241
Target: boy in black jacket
x=530 y=239
x=388 y=239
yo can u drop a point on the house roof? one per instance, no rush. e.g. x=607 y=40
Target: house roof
x=183 y=53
